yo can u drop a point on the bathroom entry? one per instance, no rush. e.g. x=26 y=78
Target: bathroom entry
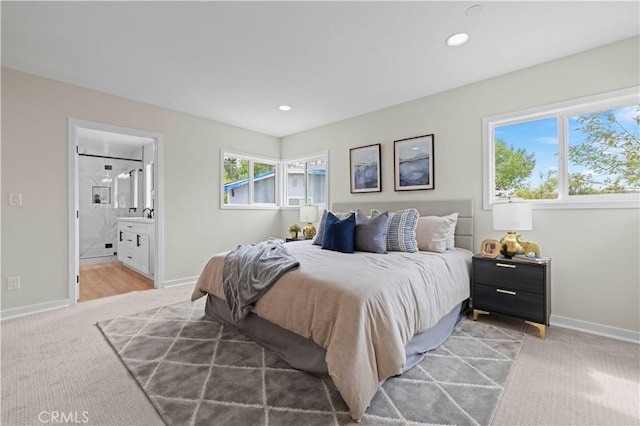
x=114 y=248
x=109 y=188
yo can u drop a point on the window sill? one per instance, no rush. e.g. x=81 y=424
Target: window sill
x=571 y=205
x=249 y=207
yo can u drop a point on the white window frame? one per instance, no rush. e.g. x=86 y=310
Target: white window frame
x=305 y=158
x=562 y=111
x=253 y=158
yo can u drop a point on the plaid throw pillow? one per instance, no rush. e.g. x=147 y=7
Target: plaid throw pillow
x=401 y=232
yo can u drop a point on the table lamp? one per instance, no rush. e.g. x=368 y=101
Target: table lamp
x=514 y=217
x=309 y=214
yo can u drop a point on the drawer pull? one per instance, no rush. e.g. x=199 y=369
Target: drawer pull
x=506 y=265
x=512 y=293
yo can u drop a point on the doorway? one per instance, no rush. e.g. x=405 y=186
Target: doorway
x=115 y=210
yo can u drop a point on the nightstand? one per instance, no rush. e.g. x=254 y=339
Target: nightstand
x=288 y=240
x=512 y=287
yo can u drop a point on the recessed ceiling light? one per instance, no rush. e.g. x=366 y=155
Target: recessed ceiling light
x=458 y=39
x=284 y=108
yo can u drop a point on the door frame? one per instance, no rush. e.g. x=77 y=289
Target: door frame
x=74 y=207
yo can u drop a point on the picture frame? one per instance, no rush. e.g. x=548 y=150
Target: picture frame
x=490 y=248
x=365 y=169
x=413 y=160
x=101 y=195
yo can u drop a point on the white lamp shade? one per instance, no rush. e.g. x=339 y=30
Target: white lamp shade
x=512 y=217
x=308 y=214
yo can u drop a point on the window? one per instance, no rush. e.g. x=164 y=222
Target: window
x=149 y=186
x=306 y=181
x=582 y=153
x=248 y=181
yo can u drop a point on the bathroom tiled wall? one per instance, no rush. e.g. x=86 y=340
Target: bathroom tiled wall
x=98 y=220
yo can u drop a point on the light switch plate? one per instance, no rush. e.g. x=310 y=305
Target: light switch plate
x=15 y=199
x=13 y=283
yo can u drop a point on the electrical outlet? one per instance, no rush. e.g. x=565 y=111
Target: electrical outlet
x=13 y=283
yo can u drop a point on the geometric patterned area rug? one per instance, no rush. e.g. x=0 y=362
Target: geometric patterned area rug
x=199 y=372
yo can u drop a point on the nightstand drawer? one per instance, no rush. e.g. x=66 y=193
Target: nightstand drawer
x=514 y=275
x=523 y=304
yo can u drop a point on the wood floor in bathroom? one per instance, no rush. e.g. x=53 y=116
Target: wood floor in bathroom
x=108 y=279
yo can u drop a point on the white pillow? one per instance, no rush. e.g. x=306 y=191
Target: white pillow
x=451 y=238
x=432 y=233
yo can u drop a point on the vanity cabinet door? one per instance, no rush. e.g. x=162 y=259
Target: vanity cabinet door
x=126 y=241
x=141 y=252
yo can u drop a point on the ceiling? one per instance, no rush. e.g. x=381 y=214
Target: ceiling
x=236 y=62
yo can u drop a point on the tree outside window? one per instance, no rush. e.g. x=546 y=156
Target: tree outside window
x=590 y=155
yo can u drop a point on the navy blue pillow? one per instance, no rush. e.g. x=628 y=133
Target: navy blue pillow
x=339 y=235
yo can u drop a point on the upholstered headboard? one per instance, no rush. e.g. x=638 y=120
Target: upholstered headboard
x=464 y=227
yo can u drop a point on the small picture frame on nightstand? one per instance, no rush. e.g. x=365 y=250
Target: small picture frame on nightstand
x=490 y=248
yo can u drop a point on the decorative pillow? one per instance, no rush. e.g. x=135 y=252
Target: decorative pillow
x=320 y=231
x=451 y=238
x=339 y=235
x=401 y=232
x=371 y=233
x=432 y=233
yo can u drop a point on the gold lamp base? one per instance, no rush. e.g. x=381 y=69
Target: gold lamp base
x=509 y=245
x=512 y=244
x=309 y=231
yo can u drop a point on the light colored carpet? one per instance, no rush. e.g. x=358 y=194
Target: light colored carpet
x=200 y=372
x=59 y=361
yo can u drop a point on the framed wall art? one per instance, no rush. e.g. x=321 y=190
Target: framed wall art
x=413 y=163
x=365 y=169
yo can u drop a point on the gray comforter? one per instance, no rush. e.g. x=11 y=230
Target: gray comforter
x=250 y=271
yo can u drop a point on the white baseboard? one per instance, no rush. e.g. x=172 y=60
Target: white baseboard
x=180 y=281
x=33 y=309
x=593 y=328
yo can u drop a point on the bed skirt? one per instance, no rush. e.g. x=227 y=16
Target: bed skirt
x=306 y=355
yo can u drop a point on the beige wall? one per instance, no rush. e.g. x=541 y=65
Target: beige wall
x=34 y=162
x=596 y=253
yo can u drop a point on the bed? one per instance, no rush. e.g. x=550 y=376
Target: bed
x=360 y=318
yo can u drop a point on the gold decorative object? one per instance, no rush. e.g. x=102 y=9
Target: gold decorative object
x=309 y=231
x=529 y=246
x=512 y=244
x=309 y=214
x=509 y=245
